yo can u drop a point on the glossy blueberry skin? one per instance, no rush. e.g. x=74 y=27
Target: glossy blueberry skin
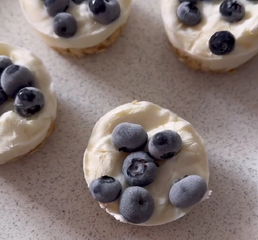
x=189 y=14
x=105 y=189
x=136 y=205
x=4 y=63
x=104 y=11
x=65 y=25
x=3 y=96
x=165 y=144
x=56 y=6
x=139 y=169
x=222 y=43
x=129 y=137
x=16 y=77
x=232 y=11
x=187 y=191
x=29 y=101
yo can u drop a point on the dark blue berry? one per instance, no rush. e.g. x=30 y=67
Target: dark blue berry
x=16 y=77
x=189 y=14
x=129 y=137
x=105 y=11
x=105 y=189
x=222 y=43
x=65 y=25
x=4 y=63
x=136 y=205
x=56 y=6
x=187 y=191
x=139 y=169
x=79 y=1
x=29 y=101
x=232 y=11
x=165 y=144
x=3 y=96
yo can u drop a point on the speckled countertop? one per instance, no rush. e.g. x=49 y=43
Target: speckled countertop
x=44 y=196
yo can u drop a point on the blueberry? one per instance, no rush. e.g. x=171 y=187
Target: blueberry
x=222 y=43
x=29 y=101
x=105 y=189
x=189 y=14
x=136 y=205
x=78 y=1
x=3 y=96
x=165 y=144
x=188 y=191
x=4 y=63
x=56 y=6
x=65 y=25
x=232 y=10
x=129 y=137
x=139 y=169
x=104 y=11
x=16 y=77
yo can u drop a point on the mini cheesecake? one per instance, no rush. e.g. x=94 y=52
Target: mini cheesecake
x=28 y=103
x=216 y=36
x=77 y=27
x=145 y=165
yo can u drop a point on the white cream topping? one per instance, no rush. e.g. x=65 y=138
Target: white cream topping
x=102 y=158
x=194 y=41
x=19 y=135
x=89 y=34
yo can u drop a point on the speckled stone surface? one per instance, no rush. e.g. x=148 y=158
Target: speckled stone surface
x=44 y=196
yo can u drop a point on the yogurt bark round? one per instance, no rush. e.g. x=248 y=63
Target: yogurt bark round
x=86 y=32
x=24 y=123
x=220 y=36
x=102 y=158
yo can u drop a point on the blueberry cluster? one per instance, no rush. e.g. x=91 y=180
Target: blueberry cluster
x=222 y=42
x=17 y=82
x=140 y=169
x=65 y=25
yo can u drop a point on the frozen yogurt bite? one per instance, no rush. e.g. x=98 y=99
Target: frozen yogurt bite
x=77 y=27
x=145 y=165
x=27 y=103
x=213 y=36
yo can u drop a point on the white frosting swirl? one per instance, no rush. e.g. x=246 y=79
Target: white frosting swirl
x=19 y=135
x=194 y=41
x=101 y=157
x=89 y=34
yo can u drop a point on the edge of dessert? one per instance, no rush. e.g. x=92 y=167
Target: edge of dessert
x=140 y=168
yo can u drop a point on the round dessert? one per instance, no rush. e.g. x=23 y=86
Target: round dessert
x=77 y=27
x=145 y=165
x=27 y=103
x=216 y=36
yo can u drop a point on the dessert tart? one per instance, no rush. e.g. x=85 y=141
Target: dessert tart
x=216 y=36
x=145 y=165
x=27 y=103
x=77 y=27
